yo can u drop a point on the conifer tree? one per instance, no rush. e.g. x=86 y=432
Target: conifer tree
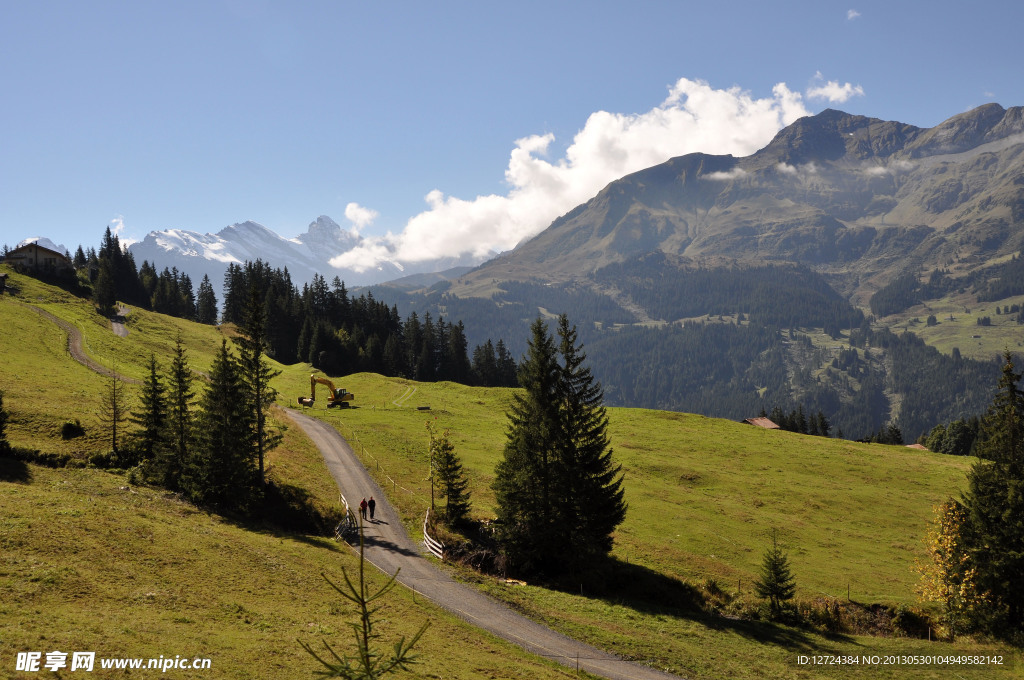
x=206 y=302
x=558 y=490
x=151 y=418
x=174 y=454
x=114 y=407
x=221 y=470
x=450 y=478
x=994 y=503
x=776 y=584
x=592 y=482
x=524 y=479
x=256 y=375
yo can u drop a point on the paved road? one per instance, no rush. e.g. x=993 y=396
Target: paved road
x=389 y=548
x=75 y=346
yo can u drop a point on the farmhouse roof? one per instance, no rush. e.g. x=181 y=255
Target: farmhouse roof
x=762 y=422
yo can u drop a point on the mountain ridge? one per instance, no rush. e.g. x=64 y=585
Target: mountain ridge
x=857 y=198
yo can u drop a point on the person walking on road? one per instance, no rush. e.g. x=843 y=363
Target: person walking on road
x=372 y=504
x=362 y=509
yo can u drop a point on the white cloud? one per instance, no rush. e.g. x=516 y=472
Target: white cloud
x=852 y=14
x=117 y=228
x=735 y=173
x=832 y=90
x=787 y=169
x=694 y=117
x=359 y=216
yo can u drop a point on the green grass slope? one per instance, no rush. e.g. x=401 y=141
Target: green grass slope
x=44 y=387
x=704 y=495
x=89 y=564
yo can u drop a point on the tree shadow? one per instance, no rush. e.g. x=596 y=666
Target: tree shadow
x=651 y=593
x=15 y=471
x=390 y=546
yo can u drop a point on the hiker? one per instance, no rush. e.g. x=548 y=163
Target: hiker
x=372 y=504
x=362 y=508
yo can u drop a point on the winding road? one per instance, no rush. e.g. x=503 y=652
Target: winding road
x=389 y=548
x=75 y=346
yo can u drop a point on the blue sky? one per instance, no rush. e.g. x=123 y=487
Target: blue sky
x=434 y=129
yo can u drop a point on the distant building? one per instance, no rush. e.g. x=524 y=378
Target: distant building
x=36 y=258
x=762 y=422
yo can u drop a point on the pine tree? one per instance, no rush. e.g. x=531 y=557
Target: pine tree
x=206 y=302
x=221 y=470
x=994 y=503
x=592 y=484
x=104 y=293
x=256 y=375
x=558 y=491
x=776 y=584
x=151 y=418
x=173 y=456
x=525 y=477
x=114 y=407
x=449 y=476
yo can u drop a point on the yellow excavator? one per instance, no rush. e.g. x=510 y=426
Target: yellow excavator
x=336 y=397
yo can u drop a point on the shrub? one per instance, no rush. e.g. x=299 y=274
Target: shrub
x=70 y=430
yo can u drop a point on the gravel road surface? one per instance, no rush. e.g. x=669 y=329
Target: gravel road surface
x=389 y=548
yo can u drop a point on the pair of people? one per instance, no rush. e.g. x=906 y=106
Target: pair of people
x=365 y=505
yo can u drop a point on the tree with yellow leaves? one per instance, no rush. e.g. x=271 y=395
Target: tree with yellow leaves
x=948 y=577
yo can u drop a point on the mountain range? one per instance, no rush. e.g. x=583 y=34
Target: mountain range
x=305 y=255
x=697 y=284
x=857 y=199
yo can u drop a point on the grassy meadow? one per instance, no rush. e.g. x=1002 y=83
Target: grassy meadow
x=93 y=563
x=704 y=495
x=957 y=315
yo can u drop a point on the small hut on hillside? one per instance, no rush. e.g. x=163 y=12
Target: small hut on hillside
x=766 y=423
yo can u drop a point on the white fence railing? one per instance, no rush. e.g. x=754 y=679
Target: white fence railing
x=435 y=547
x=348 y=525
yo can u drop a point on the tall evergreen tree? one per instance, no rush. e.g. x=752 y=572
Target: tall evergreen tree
x=256 y=375
x=525 y=477
x=221 y=470
x=206 y=302
x=174 y=454
x=994 y=503
x=558 y=491
x=114 y=407
x=591 y=484
x=151 y=418
x=449 y=477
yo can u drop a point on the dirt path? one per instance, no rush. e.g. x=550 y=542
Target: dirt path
x=117 y=322
x=75 y=347
x=389 y=548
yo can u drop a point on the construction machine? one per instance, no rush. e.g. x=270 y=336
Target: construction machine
x=336 y=396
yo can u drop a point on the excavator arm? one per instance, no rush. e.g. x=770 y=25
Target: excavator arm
x=336 y=396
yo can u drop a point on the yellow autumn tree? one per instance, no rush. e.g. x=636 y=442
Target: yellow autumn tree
x=948 y=576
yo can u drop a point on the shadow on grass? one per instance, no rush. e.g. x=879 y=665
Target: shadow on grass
x=17 y=471
x=651 y=593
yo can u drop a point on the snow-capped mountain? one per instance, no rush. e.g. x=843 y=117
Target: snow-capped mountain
x=305 y=255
